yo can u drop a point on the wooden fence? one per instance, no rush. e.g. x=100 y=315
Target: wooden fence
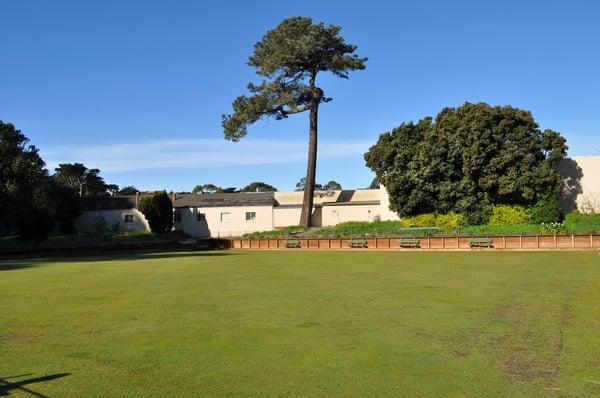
x=506 y=242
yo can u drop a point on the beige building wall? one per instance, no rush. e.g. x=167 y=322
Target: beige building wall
x=224 y=221
x=384 y=199
x=288 y=216
x=588 y=199
x=335 y=214
x=115 y=219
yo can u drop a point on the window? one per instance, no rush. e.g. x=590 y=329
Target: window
x=250 y=215
x=128 y=218
x=177 y=217
x=200 y=217
x=225 y=217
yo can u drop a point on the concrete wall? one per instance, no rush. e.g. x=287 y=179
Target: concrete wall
x=86 y=222
x=214 y=227
x=335 y=214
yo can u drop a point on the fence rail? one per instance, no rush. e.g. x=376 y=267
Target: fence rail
x=499 y=242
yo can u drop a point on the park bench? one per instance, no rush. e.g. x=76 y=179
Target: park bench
x=357 y=243
x=410 y=242
x=480 y=242
x=292 y=243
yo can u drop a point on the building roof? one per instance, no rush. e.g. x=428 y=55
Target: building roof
x=225 y=199
x=107 y=202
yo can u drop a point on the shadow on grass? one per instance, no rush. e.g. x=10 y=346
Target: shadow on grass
x=10 y=265
x=6 y=386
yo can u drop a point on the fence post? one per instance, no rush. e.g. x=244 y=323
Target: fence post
x=572 y=240
x=520 y=241
x=591 y=240
x=537 y=241
x=555 y=243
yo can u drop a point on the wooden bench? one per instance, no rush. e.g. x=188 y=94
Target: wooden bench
x=357 y=243
x=480 y=242
x=410 y=242
x=292 y=243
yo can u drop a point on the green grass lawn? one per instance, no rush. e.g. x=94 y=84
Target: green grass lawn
x=304 y=323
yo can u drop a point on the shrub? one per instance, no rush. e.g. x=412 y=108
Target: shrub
x=158 y=210
x=546 y=211
x=505 y=214
x=554 y=228
x=507 y=229
x=422 y=220
x=581 y=222
x=477 y=216
x=446 y=222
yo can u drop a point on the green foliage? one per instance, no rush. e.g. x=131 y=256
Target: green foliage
x=31 y=203
x=580 y=222
x=422 y=220
x=84 y=181
x=158 y=210
x=546 y=211
x=506 y=229
x=283 y=232
x=466 y=160
x=211 y=188
x=446 y=222
x=505 y=214
x=554 y=228
x=289 y=57
x=74 y=241
x=258 y=186
x=332 y=186
x=302 y=183
x=128 y=190
x=374 y=184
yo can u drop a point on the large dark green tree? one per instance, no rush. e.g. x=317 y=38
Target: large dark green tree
x=32 y=205
x=158 y=210
x=468 y=159
x=289 y=59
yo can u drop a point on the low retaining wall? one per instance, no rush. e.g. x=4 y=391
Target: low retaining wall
x=507 y=242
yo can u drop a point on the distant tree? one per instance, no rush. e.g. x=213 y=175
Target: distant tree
x=288 y=58
x=112 y=189
x=86 y=182
x=206 y=188
x=332 y=186
x=468 y=159
x=128 y=190
x=227 y=190
x=158 y=210
x=258 y=187
x=374 y=184
x=302 y=183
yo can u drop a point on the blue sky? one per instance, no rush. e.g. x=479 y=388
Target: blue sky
x=137 y=88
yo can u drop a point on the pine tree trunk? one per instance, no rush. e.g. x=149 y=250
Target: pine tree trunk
x=309 y=186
